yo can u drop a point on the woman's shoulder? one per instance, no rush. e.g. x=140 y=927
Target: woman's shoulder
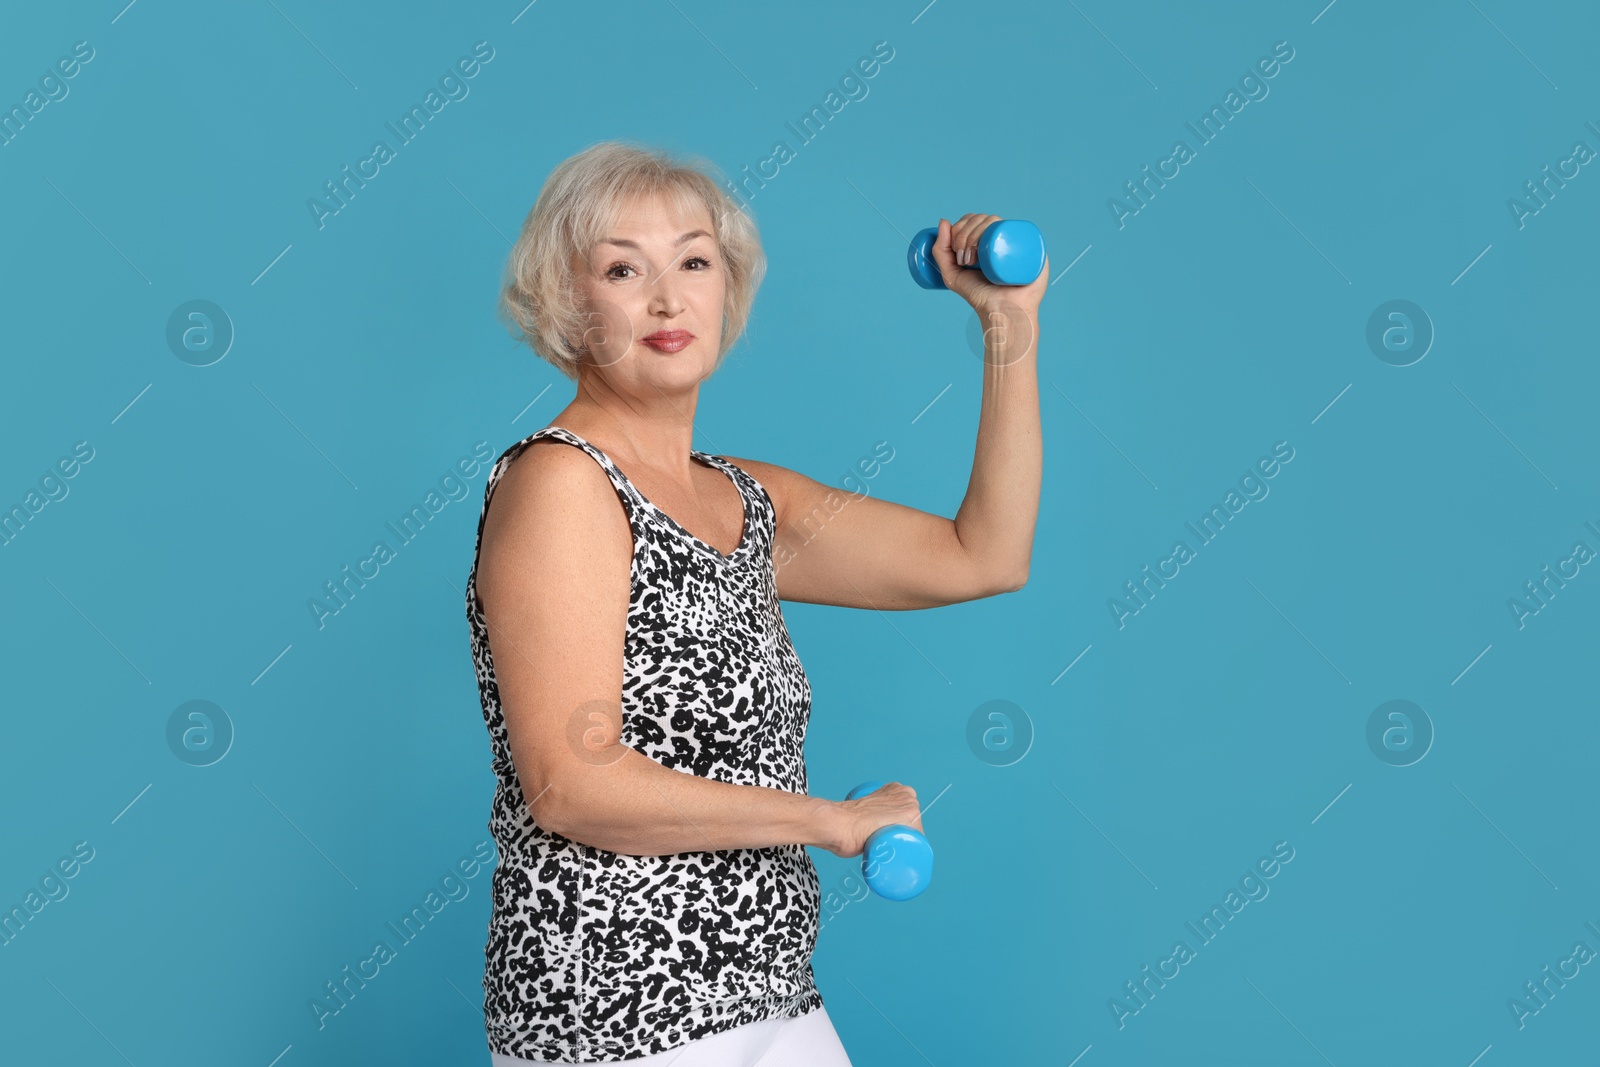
x=529 y=465
x=543 y=478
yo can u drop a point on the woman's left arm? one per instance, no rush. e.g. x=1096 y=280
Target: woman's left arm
x=853 y=550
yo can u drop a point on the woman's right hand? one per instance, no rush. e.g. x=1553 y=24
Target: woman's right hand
x=855 y=820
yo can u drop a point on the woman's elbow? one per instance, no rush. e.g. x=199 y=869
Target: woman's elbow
x=1007 y=581
x=558 y=811
x=573 y=805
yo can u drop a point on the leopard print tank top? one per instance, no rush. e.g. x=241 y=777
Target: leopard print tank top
x=600 y=956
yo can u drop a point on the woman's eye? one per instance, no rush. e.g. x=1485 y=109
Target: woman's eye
x=611 y=272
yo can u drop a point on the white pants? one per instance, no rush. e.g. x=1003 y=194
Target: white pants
x=805 y=1040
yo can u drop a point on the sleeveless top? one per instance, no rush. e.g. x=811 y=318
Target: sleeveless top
x=595 y=955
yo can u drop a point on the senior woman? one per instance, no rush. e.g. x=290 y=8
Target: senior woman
x=654 y=902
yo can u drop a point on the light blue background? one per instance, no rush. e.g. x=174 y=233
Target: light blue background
x=1228 y=315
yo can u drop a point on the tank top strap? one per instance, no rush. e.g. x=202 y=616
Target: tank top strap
x=632 y=501
x=631 y=498
x=757 y=502
x=643 y=516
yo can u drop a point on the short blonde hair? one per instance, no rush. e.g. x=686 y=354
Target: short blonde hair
x=578 y=205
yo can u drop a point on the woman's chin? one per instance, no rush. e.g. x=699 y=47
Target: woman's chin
x=685 y=361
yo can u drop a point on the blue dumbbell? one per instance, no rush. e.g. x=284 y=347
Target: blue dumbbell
x=897 y=861
x=1010 y=252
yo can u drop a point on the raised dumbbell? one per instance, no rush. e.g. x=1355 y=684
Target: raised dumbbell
x=1010 y=252
x=897 y=861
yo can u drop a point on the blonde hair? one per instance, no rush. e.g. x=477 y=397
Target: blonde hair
x=579 y=203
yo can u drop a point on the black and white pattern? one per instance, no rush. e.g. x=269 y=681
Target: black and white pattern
x=595 y=955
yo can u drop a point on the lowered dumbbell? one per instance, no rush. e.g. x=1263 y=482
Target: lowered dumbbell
x=897 y=861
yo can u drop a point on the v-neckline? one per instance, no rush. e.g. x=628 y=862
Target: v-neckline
x=705 y=460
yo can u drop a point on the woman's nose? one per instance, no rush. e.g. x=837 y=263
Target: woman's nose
x=664 y=292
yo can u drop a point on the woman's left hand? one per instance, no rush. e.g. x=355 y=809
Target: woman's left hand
x=956 y=247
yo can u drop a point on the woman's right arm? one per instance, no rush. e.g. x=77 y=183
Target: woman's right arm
x=554 y=578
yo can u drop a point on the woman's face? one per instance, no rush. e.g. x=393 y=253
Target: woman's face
x=654 y=289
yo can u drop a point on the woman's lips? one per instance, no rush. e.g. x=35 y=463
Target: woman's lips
x=668 y=340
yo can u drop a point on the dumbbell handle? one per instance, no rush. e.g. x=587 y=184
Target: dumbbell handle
x=1010 y=252
x=897 y=861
